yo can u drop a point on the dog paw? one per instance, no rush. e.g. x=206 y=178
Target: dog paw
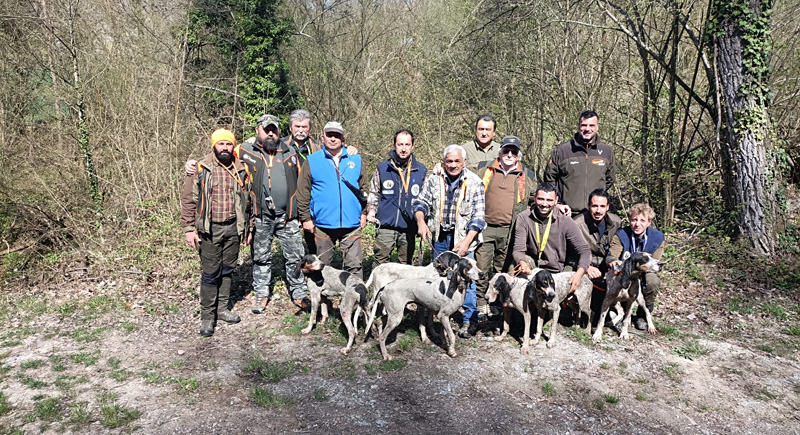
x=387 y=357
x=624 y=336
x=344 y=350
x=427 y=341
x=305 y=330
x=452 y=353
x=535 y=342
x=651 y=330
x=322 y=321
x=597 y=338
x=499 y=338
x=525 y=350
x=551 y=344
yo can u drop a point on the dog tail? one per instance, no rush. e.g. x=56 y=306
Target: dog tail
x=372 y=312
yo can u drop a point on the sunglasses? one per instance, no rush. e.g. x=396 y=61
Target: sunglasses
x=513 y=151
x=333 y=134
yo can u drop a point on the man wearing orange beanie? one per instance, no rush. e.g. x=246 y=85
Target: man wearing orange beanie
x=214 y=221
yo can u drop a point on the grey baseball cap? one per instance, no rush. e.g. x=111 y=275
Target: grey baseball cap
x=334 y=126
x=266 y=120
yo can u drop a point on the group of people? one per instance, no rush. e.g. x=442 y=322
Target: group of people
x=480 y=202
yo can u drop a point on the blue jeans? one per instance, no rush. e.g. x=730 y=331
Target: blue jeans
x=445 y=243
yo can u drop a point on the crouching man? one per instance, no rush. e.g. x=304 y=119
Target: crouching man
x=214 y=221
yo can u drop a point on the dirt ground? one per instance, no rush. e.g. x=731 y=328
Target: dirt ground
x=124 y=356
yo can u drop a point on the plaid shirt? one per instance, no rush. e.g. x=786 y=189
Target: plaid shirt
x=222 y=185
x=473 y=195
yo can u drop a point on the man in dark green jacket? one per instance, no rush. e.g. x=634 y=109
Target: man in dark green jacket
x=581 y=165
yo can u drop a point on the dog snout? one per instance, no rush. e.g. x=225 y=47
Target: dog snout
x=550 y=295
x=481 y=275
x=660 y=265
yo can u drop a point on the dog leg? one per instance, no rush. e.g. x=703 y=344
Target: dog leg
x=451 y=336
x=393 y=320
x=651 y=329
x=539 y=325
x=506 y=323
x=346 y=308
x=324 y=310
x=618 y=313
x=526 y=336
x=623 y=335
x=422 y=323
x=551 y=340
x=598 y=333
x=312 y=319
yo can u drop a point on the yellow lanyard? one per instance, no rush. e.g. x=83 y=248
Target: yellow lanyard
x=458 y=202
x=235 y=175
x=407 y=179
x=542 y=242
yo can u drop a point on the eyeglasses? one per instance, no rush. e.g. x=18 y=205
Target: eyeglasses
x=514 y=151
x=333 y=134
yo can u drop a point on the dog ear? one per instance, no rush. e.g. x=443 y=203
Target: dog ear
x=463 y=268
x=530 y=291
x=445 y=262
x=298 y=270
x=627 y=270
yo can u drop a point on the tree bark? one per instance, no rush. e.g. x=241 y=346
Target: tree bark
x=750 y=179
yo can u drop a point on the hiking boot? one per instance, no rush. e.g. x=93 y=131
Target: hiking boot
x=260 y=304
x=228 y=316
x=640 y=324
x=468 y=330
x=304 y=304
x=207 y=327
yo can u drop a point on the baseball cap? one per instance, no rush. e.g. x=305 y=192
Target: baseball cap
x=511 y=141
x=266 y=120
x=334 y=126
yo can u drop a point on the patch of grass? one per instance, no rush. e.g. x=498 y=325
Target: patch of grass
x=129 y=327
x=623 y=365
x=103 y=304
x=740 y=305
x=691 y=350
x=599 y=404
x=47 y=409
x=605 y=366
x=408 y=340
x=673 y=371
x=642 y=380
x=640 y=396
x=793 y=330
x=320 y=395
x=611 y=398
x=764 y=395
x=79 y=414
x=666 y=329
x=774 y=310
x=264 y=398
x=549 y=390
x=178 y=363
x=114 y=415
x=85 y=358
x=580 y=336
x=31 y=364
x=390 y=366
x=186 y=385
x=84 y=335
x=65 y=382
x=32 y=383
x=371 y=369
x=67 y=308
x=153 y=378
x=292 y=324
x=5 y=407
x=272 y=371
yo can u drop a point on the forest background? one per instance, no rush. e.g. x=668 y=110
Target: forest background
x=102 y=101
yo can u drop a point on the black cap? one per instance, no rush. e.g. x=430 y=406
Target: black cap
x=511 y=141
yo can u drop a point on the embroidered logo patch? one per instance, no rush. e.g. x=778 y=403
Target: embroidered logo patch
x=351 y=165
x=388 y=184
x=294 y=159
x=387 y=192
x=249 y=159
x=599 y=162
x=626 y=255
x=574 y=162
x=415 y=190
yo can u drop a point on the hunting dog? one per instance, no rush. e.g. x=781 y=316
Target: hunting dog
x=443 y=295
x=550 y=291
x=621 y=288
x=388 y=272
x=327 y=281
x=513 y=292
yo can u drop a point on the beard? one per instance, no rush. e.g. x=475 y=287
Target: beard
x=271 y=145
x=224 y=157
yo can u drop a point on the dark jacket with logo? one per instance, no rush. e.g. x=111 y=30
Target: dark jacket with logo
x=394 y=201
x=254 y=157
x=577 y=170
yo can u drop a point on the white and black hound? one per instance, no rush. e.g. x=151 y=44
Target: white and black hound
x=323 y=280
x=621 y=288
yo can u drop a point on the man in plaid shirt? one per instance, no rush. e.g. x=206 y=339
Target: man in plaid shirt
x=450 y=212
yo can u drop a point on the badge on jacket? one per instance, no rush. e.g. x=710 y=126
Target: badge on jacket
x=415 y=190
x=388 y=184
x=351 y=165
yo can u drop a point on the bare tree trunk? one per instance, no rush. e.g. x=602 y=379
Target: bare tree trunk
x=745 y=139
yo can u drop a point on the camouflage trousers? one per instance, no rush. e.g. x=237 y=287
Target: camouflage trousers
x=291 y=241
